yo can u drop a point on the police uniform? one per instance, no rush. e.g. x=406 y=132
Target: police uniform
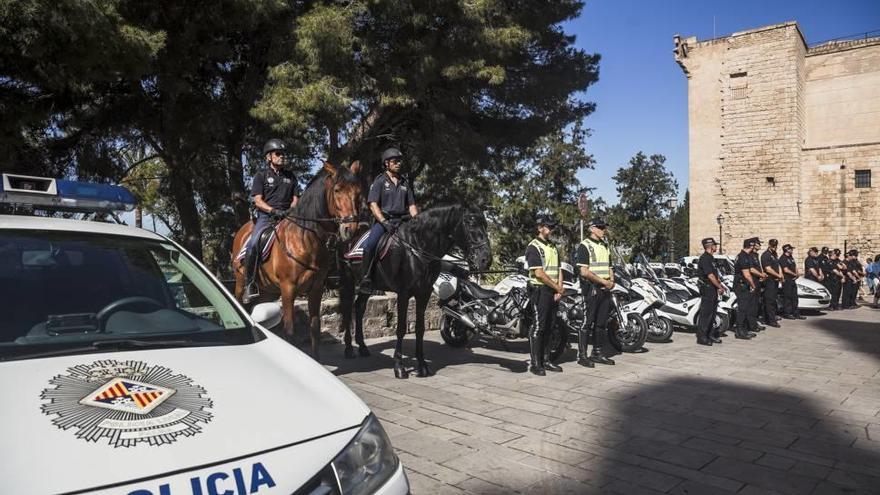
x=850 y=287
x=757 y=301
x=745 y=322
x=542 y=254
x=811 y=262
x=789 y=284
x=824 y=263
x=594 y=256
x=836 y=269
x=277 y=188
x=708 y=296
x=394 y=200
x=769 y=259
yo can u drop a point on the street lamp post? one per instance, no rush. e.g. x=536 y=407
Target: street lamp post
x=720 y=220
x=672 y=203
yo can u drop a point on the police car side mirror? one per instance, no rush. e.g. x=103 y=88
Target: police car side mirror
x=267 y=315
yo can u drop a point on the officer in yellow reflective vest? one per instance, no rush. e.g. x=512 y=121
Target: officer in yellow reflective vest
x=597 y=279
x=545 y=291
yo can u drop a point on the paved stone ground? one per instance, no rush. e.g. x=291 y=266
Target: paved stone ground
x=797 y=410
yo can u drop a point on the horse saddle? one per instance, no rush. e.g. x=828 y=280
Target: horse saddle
x=264 y=244
x=356 y=253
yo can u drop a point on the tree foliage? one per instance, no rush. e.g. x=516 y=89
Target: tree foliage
x=466 y=89
x=641 y=219
x=545 y=182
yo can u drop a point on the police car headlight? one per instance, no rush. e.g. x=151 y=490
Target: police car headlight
x=367 y=462
x=808 y=290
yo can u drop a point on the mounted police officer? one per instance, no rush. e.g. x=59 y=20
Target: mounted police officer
x=545 y=291
x=770 y=263
x=597 y=279
x=745 y=287
x=391 y=202
x=275 y=190
x=710 y=288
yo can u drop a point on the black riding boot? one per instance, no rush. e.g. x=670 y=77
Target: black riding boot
x=583 y=357
x=549 y=365
x=251 y=290
x=536 y=365
x=598 y=356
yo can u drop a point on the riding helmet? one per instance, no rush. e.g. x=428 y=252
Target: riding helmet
x=274 y=145
x=391 y=153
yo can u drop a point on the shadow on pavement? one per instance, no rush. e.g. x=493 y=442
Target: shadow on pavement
x=701 y=436
x=437 y=354
x=859 y=336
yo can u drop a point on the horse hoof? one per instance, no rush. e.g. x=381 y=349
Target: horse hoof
x=423 y=371
x=400 y=371
x=349 y=353
x=363 y=351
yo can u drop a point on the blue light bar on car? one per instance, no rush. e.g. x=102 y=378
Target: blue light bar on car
x=59 y=194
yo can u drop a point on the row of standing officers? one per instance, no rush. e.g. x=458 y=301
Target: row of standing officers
x=756 y=282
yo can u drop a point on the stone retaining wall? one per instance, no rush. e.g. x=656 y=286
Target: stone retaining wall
x=380 y=318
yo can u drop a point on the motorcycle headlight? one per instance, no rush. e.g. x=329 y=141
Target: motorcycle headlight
x=367 y=462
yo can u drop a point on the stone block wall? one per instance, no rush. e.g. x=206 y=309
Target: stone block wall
x=762 y=132
x=776 y=132
x=380 y=318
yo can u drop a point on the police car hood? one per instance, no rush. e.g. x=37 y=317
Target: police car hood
x=72 y=423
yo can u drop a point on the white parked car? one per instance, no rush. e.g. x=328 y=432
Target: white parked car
x=125 y=367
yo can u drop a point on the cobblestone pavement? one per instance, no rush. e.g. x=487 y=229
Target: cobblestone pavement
x=797 y=410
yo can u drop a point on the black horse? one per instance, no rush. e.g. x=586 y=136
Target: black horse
x=410 y=268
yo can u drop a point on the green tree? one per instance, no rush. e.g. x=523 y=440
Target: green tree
x=641 y=220
x=543 y=182
x=681 y=227
x=464 y=88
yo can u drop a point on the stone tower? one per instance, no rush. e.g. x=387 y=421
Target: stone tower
x=760 y=104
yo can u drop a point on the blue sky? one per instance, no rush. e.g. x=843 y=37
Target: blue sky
x=641 y=95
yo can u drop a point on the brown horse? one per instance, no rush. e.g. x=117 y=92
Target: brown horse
x=300 y=259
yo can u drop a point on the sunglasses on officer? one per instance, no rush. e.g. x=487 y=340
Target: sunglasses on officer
x=279 y=153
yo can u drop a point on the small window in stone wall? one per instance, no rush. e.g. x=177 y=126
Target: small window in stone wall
x=863 y=178
x=739 y=85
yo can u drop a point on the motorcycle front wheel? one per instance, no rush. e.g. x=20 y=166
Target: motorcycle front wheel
x=659 y=329
x=454 y=333
x=721 y=323
x=629 y=337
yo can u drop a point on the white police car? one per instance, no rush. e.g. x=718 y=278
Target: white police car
x=126 y=368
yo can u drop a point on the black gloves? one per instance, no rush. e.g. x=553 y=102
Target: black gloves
x=278 y=214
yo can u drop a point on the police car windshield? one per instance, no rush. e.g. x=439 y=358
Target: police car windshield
x=69 y=289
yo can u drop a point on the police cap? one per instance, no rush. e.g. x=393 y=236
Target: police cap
x=824 y=249
x=773 y=242
x=787 y=247
x=814 y=249
x=747 y=243
x=836 y=251
x=547 y=221
x=708 y=241
x=598 y=222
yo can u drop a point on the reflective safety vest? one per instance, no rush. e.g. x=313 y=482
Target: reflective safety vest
x=600 y=258
x=549 y=260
